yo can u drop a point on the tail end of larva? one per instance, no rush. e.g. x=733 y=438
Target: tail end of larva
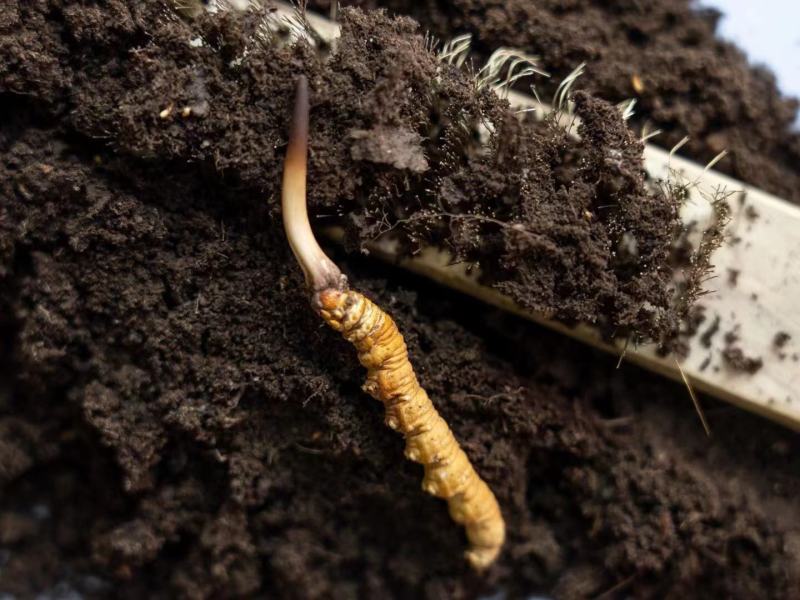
x=481 y=559
x=486 y=541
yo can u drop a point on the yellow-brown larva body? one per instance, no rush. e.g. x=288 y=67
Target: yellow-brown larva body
x=429 y=441
x=382 y=350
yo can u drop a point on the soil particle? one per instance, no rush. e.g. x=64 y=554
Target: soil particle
x=751 y=213
x=175 y=423
x=781 y=339
x=709 y=333
x=779 y=343
x=733 y=277
x=666 y=55
x=399 y=148
x=735 y=357
x=737 y=360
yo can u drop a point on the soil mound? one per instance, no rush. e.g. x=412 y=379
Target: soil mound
x=666 y=55
x=174 y=421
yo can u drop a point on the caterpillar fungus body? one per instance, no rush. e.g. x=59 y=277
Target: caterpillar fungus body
x=390 y=376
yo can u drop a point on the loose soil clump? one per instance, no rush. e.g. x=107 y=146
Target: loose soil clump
x=173 y=421
x=735 y=357
x=666 y=55
x=567 y=228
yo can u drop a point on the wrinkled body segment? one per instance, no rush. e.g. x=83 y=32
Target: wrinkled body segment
x=429 y=441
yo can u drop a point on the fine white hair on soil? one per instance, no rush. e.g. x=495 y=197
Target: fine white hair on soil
x=626 y=108
x=562 y=95
x=489 y=74
x=455 y=51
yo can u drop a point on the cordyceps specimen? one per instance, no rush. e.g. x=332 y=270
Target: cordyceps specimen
x=390 y=376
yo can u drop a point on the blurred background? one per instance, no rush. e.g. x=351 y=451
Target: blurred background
x=769 y=31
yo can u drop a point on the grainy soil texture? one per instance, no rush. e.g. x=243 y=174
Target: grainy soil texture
x=665 y=55
x=176 y=422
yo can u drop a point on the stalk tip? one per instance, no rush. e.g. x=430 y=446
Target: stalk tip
x=320 y=271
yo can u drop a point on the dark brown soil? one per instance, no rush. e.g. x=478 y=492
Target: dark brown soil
x=567 y=228
x=781 y=339
x=174 y=421
x=665 y=54
x=735 y=357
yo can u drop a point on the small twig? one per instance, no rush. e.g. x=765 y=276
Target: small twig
x=308 y=450
x=616 y=422
x=624 y=351
x=316 y=392
x=696 y=402
x=616 y=587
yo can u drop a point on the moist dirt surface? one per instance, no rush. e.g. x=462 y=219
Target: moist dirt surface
x=666 y=55
x=174 y=419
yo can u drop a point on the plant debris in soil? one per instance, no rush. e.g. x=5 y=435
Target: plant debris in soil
x=735 y=357
x=666 y=55
x=173 y=421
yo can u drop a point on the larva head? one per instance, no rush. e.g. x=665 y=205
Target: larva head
x=330 y=299
x=331 y=305
x=320 y=272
